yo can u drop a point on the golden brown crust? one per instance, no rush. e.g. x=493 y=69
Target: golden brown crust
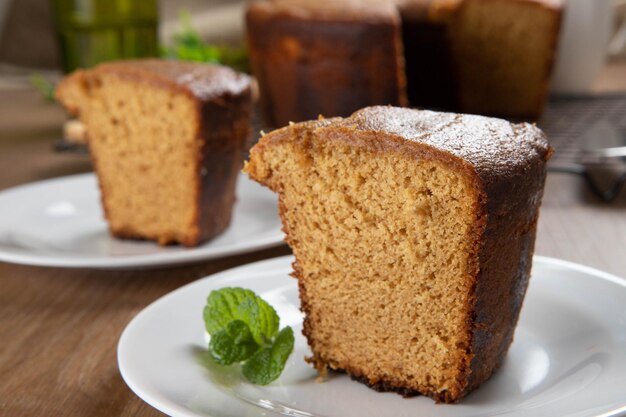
x=506 y=164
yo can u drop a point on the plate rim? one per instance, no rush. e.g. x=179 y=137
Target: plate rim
x=179 y=411
x=143 y=261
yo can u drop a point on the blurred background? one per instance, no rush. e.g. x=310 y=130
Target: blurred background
x=587 y=106
x=31 y=55
x=28 y=38
x=593 y=34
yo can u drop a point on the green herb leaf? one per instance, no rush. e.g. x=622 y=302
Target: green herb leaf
x=229 y=304
x=45 y=87
x=268 y=363
x=222 y=307
x=187 y=45
x=232 y=344
x=261 y=317
x=244 y=329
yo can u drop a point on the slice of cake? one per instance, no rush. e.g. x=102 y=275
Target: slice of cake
x=324 y=57
x=166 y=140
x=413 y=233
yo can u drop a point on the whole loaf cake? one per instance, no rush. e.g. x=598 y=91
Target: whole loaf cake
x=490 y=57
x=413 y=233
x=166 y=140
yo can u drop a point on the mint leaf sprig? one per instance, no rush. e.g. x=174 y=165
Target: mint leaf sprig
x=244 y=329
x=187 y=45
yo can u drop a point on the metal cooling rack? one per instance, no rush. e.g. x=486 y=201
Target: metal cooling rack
x=585 y=131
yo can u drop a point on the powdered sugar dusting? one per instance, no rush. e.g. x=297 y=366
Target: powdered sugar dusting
x=491 y=145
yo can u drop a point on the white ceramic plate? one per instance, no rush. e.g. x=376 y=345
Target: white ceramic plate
x=568 y=358
x=59 y=222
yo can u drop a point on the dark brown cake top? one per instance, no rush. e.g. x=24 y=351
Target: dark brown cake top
x=492 y=146
x=205 y=81
x=335 y=10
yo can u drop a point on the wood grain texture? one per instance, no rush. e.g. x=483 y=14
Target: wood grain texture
x=59 y=327
x=59 y=330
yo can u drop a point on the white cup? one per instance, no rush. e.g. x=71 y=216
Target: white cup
x=585 y=33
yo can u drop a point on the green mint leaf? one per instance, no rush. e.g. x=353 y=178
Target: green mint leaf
x=261 y=317
x=232 y=344
x=244 y=329
x=229 y=304
x=187 y=45
x=45 y=87
x=221 y=307
x=267 y=364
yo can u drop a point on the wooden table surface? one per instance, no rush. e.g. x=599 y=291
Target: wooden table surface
x=59 y=327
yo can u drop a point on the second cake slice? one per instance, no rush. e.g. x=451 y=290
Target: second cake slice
x=166 y=140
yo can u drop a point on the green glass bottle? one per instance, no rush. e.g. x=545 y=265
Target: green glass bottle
x=93 y=31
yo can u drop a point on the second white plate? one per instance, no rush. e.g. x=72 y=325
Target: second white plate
x=59 y=222
x=568 y=358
